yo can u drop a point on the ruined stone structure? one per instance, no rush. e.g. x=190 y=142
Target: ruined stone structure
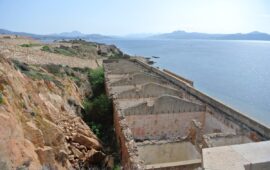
x=162 y=122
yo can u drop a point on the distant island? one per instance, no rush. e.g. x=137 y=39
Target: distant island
x=255 y=35
x=60 y=36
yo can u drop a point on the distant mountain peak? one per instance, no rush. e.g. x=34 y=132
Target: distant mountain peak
x=256 y=32
x=179 y=31
x=70 y=34
x=255 y=35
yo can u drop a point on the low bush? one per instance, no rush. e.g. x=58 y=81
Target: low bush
x=35 y=73
x=98 y=114
x=29 y=45
x=117 y=167
x=1 y=98
x=96 y=128
x=64 y=51
x=46 y=48
x=96 y=78
x=98 y=109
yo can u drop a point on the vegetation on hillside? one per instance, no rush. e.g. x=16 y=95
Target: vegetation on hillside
x=60 y=50
x=96 y=77
x=98 y=108
x=46 y=48
x=98 y=112
x=1 y=98
x=35 y=73
x=84 y=49
x=30 y=45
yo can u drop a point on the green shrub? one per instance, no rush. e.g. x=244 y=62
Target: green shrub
x=21 y=66
x=98 y=109
x=96 y=128
x=25 y=45
x=117 y=167
x=87 y=105
x=1 y=98
x=102 y=105
x=37 y=74
x=96 y=78
x=64 y=51
x=46 y=48
x=98 y=114
x=53 y=68
x=29 y=45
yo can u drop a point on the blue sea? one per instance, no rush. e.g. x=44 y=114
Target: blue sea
x=236 y=73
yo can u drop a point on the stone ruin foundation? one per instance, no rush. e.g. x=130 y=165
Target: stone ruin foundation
x=162 y=122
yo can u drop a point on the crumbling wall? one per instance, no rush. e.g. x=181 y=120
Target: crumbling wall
x=122 y=67
x=153 y=105
x=257 y=130
x=224 y=139
x=128 y=149
x=162 y=126
x=164 y=104
x=127 y=145
x=138 y=78
x=149 y=90
x=214 y=125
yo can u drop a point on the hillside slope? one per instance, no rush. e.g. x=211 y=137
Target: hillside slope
x=40 y=122
x=41 y=110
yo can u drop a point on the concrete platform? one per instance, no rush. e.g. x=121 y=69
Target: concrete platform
x=251 y=156
x=168 y=152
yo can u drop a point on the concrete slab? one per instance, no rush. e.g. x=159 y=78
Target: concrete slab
x=223 y=158
x=168 y=152
x=189 y=164
x=251 y=156
x=254 y=152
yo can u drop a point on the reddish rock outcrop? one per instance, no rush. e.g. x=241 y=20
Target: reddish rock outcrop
x=40 y=126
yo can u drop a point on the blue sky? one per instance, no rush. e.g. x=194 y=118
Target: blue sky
x=122 y=17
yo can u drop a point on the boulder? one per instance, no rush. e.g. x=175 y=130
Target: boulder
x=33 y=134
x=95 y=157
x=87 y=141
x=45 y=155
x=76 y=152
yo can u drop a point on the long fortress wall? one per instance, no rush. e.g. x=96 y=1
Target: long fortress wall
x=237 y=117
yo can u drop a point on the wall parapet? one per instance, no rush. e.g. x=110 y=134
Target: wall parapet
x=189 y=82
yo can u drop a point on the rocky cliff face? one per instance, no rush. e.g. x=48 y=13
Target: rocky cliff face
x=40 y=126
